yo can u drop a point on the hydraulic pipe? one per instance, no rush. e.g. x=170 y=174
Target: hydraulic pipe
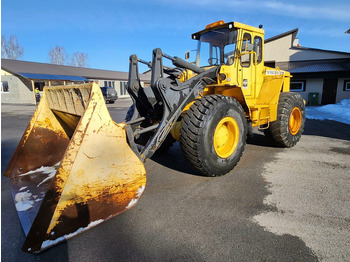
x=177 y=61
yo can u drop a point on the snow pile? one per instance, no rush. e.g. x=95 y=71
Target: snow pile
x=338 y=112
x=24 y=201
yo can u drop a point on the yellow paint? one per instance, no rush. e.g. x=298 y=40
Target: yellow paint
x=256 y=87
x=295 y=121
x=97 y=167
x=98 y=163
x=175 y=131
x=226 y=137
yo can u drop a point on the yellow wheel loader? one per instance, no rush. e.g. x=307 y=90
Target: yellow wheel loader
x=75 y=167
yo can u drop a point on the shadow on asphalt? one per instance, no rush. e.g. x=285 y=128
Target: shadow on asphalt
x=324 y=128
x=327 y=128
x=174 y=160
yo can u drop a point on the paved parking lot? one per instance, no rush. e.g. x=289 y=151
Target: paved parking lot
x=276 y=205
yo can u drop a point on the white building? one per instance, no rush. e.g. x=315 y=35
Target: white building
x=20 y=78
x=320 y=76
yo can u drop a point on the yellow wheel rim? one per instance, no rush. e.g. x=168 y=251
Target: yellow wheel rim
x=226 y=137
x=295 y=121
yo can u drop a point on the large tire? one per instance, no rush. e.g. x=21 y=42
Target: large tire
x=213 y=134
x=287 y=129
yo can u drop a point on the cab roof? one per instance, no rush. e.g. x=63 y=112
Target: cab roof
x=221 y=24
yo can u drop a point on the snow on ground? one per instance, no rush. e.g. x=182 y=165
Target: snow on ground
x=338 y=112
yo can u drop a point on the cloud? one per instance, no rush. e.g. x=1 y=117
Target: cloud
x=332 y=11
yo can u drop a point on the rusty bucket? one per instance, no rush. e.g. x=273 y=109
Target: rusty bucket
x=73 y=167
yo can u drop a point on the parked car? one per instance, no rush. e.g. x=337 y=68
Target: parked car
x=109 y=94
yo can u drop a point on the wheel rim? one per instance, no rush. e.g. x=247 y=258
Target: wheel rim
x=295 y=121
x=226 y=137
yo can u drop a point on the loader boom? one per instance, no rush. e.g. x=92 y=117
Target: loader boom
x=171 y=97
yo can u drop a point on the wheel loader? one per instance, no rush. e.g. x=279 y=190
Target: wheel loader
x=75 y=167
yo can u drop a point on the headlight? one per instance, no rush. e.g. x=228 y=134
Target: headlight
x=222 y=77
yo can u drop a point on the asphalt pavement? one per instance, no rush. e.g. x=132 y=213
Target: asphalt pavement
x=276 y=205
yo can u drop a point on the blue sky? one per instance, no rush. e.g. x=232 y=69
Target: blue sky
x=109 y=31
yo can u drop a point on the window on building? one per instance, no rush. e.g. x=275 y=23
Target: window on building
x=4 y=87
x=347 y=85
x=109 y=83
x=123 y=90
x=297 y=86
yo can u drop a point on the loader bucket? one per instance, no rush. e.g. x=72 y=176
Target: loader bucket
x=73 y=167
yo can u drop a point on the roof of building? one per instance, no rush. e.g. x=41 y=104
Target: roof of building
x=25 y=67
x=294 y=32
x=333 y=66
x=53 y=77
x=320 y=50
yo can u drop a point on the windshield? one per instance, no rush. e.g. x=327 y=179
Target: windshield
x=217 y=47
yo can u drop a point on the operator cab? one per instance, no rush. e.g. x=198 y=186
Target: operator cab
x=217 y=44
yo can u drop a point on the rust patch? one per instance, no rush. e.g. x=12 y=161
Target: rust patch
x=81 y=214
x=43 y=147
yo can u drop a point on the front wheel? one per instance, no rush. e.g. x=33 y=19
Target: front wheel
x=213 y=134
x=289 y=125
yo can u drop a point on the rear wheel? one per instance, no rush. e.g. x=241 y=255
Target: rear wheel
x=287 y=129
x=213 y=134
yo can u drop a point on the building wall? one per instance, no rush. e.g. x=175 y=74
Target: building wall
x=315 y=85
x=297 y=54
x=286 y=56
x=341 y=93
x=119 y=85
x=20 y=89
x=278 y=50
x=282 y=50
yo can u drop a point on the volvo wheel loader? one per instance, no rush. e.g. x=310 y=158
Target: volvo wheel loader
x=75 y=167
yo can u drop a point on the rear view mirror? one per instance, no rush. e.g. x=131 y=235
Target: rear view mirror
x=187 y=55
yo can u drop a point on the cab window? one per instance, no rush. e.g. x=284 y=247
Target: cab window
x=245 y=58
x=258 y=48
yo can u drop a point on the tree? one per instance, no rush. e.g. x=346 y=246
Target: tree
x=58 y=55
x=11 y=49
x=79 y=59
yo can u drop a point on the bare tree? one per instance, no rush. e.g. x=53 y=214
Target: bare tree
x=11 y=49
x=58 y=55
x=79 y=59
